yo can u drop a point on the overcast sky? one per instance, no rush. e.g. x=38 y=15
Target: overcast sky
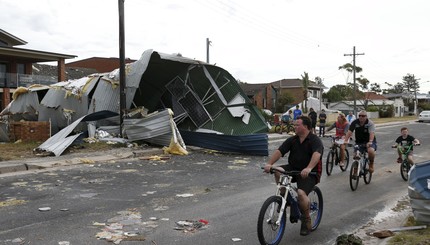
x=256 y=41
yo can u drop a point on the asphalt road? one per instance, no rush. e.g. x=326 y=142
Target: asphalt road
x=151 y=200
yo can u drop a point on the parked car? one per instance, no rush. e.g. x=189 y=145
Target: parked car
x=424 y=116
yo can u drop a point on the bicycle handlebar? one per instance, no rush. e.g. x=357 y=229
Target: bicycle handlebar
x=289 y=172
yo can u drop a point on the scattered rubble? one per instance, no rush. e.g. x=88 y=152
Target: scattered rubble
x=191 y=225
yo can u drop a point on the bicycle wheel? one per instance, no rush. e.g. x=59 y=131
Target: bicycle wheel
x=316 y=207
x=278 y=129
x=330 y=162
x=367 y=174
x=345 y=167
x=404 y=169
x=290 y=128
x=353 y=177
x=269 y=233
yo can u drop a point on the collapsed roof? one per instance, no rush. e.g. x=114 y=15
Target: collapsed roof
x=201 y=96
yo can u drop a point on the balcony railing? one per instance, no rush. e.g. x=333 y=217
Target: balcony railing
x=14 y=80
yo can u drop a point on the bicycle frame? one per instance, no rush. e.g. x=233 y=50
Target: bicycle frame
x=284 y=183
x=333 y=157
x=363 y=157
x=273 y=214
x=358 y=168
x=406 y=152
x=405 y=166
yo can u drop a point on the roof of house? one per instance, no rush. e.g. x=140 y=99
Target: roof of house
x=295 y=83
x=72 y=73
x=252 y=88
x=9 y=40
x=374 y=96
x=101 y=64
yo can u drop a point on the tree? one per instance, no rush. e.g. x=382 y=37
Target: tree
x=284 y=100
x=363 y=83
x=305 y=80
x=394 y=89
x=339 y=93
x=349 y=68
x=411 y=85
x=374 y=87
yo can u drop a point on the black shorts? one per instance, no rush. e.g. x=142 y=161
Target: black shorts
x=305 y=184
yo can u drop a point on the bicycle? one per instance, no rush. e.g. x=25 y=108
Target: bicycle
x=333 y=157
x=284 y=127
x=405 y=166
x=273 y=214
x=360 y=167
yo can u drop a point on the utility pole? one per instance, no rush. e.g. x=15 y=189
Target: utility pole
x=415 y=81
x=208 y=43
x=121 y=65
x=318 y=80
x=353 y=77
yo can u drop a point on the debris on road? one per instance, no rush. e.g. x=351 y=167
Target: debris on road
x=155 y=158
x=44 y=209
x=185 y=195
x=191 y=225
x=347 y=239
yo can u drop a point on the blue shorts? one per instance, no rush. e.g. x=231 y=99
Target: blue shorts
x=363 y=147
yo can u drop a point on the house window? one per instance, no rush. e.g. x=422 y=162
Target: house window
x=3 y=68
x=20 y=68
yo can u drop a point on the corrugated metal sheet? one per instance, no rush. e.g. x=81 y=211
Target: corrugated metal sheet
x=61 y=140
x=106 y=97
x=252 y=144
x=151 y=126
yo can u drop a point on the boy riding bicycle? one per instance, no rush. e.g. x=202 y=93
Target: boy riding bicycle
x=404 y=141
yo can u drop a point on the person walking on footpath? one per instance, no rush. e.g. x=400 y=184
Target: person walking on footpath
x=350 y=117
x=364 y=135
x=305 y=154
x=313 y=115
x=322 y=117
x=297 y=112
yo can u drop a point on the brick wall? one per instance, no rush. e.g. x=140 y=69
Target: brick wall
x=29 y=131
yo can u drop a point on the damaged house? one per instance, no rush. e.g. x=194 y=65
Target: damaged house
x=207 y=106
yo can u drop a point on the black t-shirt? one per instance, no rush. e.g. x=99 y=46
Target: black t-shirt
x=313 y=116
x=406 y=142
x=362 y=133
x=322 y=117
x=301 y=153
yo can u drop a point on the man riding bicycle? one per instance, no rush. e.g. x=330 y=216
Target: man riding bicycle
x=364 y=135
x=306 y=151
x=404 y=141
x=341 y=126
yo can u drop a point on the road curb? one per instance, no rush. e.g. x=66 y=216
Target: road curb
x=52 y=162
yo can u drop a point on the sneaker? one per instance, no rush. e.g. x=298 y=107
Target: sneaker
x=306 y=226
x=399 y=160
x=342 y=164
x=371 y=167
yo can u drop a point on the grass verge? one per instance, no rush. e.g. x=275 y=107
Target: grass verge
x=412 y=237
